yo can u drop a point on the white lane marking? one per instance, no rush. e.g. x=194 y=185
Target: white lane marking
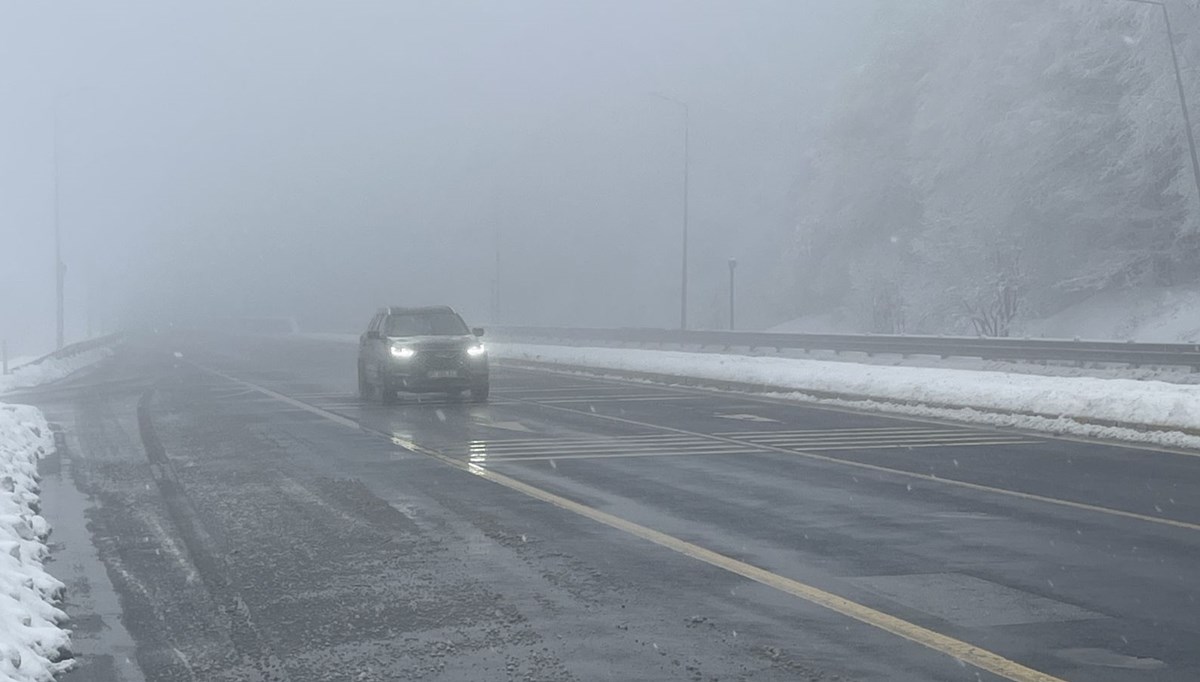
x=584 y=446
x=769 y=433
x=878 y=414
x=488 y=422
x=929 y=478
x=870 y=440
x=611 y=455
x=610 y=399
x=955 y=648
x=747 y=418
x=332 y=416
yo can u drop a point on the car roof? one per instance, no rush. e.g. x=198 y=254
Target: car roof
x=408 y=310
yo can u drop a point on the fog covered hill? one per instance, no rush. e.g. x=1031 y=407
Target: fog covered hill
x=1150 y=315
x=994 y=163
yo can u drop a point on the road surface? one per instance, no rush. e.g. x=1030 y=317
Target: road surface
x=226 y=508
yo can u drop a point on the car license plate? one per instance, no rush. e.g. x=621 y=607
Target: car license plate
x=443 y=374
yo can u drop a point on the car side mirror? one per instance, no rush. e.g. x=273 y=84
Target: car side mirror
x=374 y=335
x=477 y=331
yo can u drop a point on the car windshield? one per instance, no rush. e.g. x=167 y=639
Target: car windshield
x=426 y=324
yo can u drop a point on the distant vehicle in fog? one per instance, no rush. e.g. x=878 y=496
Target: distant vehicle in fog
x=421 y=350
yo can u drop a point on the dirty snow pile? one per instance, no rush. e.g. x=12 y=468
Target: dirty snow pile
x=51 y=369
x=31 y=639
x=1059 y=399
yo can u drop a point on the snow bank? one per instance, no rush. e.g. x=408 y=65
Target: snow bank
x=1054 y=400
x=31 y=638
x=51 y=369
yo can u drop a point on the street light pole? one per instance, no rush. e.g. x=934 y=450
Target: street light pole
x=60 y=270
x=732 y=298
x=687 y=124
x=1183 y=107
x=496 y=283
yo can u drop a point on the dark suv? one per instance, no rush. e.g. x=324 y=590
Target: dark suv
x=421 y=350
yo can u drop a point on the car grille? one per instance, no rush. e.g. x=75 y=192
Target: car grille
x=441 y=359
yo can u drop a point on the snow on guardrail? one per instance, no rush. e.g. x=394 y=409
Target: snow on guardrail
x=60 y=363
x=987 y=348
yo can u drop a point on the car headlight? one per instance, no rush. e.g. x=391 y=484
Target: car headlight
x=476 y=351
x=403 y=352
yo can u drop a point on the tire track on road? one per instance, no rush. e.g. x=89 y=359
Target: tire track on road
x=206 y=556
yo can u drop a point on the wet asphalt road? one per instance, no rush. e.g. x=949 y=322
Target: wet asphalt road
x=211 y=530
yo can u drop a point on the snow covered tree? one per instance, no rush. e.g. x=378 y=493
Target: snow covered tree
x=1000 y=157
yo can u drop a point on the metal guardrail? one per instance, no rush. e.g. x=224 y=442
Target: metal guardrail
x=75 y=349
x=1030 y=350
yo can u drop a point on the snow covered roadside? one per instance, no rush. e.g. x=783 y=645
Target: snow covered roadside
x=31 y=638
x=52 y=369
x=1082 y=406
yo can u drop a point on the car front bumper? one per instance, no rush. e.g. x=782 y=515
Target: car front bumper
x=418 y=377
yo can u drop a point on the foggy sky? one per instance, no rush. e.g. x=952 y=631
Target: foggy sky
x=319 y=159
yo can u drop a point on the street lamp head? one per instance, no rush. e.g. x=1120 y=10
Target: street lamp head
x=669 y=98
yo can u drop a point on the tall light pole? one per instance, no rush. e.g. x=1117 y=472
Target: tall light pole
x=496 y=281
x=1183 y=107
x=687 y=124
x=60 y=270
x=732 y=298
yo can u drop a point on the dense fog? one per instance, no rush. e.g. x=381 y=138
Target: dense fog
x=319 y=159
x=935 y=166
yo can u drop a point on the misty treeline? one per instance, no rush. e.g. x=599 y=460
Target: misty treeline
x=994 y=160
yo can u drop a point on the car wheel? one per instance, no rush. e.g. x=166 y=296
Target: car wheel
x=479 y=392
x=364 y=386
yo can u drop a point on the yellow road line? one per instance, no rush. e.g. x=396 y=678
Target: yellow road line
x=1083 y=506
x=958 y=649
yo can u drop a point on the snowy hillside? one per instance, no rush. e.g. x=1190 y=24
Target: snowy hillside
x=1161 y=315
x=1166 y=315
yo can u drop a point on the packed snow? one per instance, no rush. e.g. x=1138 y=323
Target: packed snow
x=51 y=369
x=1079 y=405
x=32 y=639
